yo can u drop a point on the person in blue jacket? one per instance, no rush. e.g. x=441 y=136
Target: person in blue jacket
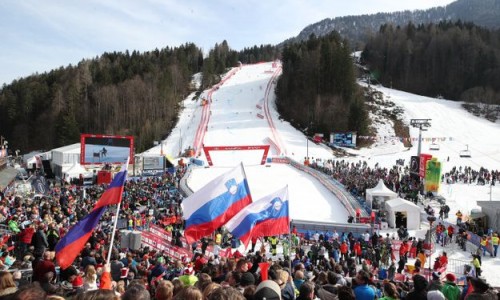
x=363 y=291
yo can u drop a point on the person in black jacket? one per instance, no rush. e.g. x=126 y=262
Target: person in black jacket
x=40 y=241
x=419 y=288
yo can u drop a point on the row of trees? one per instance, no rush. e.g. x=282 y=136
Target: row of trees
x=318 y=89
x=456 y=60
x=117 y=93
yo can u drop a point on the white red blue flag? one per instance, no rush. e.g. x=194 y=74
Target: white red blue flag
x=215 y=204
x=266 y=217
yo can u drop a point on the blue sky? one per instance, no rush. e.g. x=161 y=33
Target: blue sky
x=41 y=35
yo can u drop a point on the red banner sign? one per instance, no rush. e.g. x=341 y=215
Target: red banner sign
x=161 y=240
x=423 y=163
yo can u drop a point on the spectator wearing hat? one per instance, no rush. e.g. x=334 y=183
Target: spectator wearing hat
x=419 y=288
x=450 y=289
x=77 y=283
x=188 y=278
x=247 y=279
x=267 y=289
x=435 y=295
x=435 y=283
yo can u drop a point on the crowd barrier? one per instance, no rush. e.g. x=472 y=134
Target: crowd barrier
x=347 y=200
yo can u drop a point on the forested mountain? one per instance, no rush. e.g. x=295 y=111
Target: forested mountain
x=359 y=28
x=452 y=59
x=317 y=90
x=117 y=93
x=139 y=93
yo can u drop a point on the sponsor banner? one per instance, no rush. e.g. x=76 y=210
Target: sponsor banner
x=433 y=175
x=280 y=160
x=423 y=164
x=155 y=242
x=159 y=239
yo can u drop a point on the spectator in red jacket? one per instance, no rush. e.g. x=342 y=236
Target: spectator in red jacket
x=357 y=250
x=44 y=266
x=24 y=238
x=343 y=250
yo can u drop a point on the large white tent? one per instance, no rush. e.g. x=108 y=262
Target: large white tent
x=406 y=209
x=74 y=172
x=378 y=195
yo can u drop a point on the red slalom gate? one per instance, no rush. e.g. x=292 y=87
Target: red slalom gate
x=207 y=150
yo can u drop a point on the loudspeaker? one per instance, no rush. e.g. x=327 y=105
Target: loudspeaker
x=135 y=240
x=125 y=239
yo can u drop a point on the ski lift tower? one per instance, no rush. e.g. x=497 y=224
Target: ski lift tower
x=422 y=125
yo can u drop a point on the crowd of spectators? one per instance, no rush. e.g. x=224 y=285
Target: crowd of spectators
x=326 y=266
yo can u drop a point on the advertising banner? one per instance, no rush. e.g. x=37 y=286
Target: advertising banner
x=423 y=164
x=161 y=240
x=432 y=175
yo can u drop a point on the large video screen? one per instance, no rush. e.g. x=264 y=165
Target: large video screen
x=106 y=149
x=346 y=139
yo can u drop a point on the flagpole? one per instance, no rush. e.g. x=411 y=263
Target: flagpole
x=115 y=223
x=289 y=245
x=289 y=234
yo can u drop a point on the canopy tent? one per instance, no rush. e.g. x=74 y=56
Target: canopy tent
x=376 y=196
x=74 y=172
x=404 y=213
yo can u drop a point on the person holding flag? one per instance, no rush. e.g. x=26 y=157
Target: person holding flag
x=70 y=245
x=268 y=216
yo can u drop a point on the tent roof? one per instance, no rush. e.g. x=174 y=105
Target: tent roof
x=76 y=169
x=381 y=189
x=73 y=148
x=398 y=202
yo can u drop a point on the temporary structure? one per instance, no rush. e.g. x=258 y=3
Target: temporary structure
x=404 y=213
x=376 y=196
x=74 y=172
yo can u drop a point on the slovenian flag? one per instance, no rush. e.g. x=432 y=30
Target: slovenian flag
x=266 y=217
x=215 y=203
x=68 y=248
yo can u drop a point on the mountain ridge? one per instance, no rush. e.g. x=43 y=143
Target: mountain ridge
x=357 y=28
